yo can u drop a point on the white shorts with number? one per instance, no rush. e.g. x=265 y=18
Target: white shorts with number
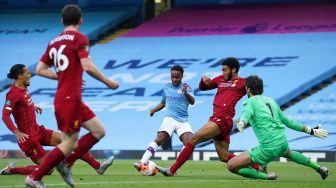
x=170 y=125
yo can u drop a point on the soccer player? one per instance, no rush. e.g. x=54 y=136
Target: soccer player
x=69 y=54
x=268 y=123
x=176 y=97
x=230 y=89
x=30 y=136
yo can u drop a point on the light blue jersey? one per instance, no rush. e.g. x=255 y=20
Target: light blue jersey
x=176 y=103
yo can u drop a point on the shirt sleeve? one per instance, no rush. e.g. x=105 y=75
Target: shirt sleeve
x=289 y=122
x=7 y=111
x=163 y=99
x=45 y=58
x=248 y=111
x=204 y=87
x=83 y=47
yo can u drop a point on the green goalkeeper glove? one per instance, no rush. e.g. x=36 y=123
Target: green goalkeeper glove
x=316 y=131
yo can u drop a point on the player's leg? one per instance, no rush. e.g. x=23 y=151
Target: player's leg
x=165 y=131
x=56 y=139
x=32 y=149
x=11 y=169
x=161 y=137
x=239 y=163
x=222 y=148
x=54 y=157
x=303 y=160
x=207 y=132
x=184 y=132
x=96 y=132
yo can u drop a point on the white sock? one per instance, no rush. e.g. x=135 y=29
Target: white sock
x=149 y=152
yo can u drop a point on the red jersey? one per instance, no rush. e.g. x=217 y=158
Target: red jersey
x=65 y=52
x=20 y=104
x=227 y=96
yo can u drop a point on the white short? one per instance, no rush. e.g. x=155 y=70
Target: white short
x=170 y=125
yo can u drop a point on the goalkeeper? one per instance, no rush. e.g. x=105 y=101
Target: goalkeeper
x=268 y=123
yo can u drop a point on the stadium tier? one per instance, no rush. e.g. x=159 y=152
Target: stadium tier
x=24 y=34
x=290 y=47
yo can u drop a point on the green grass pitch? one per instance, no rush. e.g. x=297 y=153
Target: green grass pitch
x=193 y=174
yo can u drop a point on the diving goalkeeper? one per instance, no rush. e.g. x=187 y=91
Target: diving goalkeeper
x=268 y=123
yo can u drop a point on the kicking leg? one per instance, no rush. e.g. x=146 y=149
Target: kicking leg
x=207 y=132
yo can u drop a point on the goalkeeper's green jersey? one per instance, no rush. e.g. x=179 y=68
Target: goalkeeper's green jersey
x=267 y=120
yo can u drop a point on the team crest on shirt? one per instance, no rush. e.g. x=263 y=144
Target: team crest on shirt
x=75 y=124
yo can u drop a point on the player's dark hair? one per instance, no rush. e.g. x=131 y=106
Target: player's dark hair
x=255 y=84
x=177 y=68
x=15 y=71
x=232 y=63
x=71 y=14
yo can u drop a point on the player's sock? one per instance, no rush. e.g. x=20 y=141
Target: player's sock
x=254 y=165
x=301 y=159
x=54 y=157
x=182 y=158
x=88 y=158
x=84 y=145
x=26 y=170
x=252 y=173
x=149 y=152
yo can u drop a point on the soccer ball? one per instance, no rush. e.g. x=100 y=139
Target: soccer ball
x=148 y=168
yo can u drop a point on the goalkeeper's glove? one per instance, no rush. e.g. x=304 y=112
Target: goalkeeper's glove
x=240 y=125
x=316 y=131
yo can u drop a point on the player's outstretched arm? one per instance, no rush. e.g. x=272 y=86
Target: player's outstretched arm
x=316 y=131
x=206 y=84
x=157 y=108
x=93 y=71
x=42 y=69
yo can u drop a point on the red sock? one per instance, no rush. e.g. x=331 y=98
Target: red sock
x=254 y=165
x=88 y=158
x=84 y=145
x=183 y=157
x=26 y=170
x=230 y=156
x=49 y=161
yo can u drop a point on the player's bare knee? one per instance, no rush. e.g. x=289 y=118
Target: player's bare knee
x=231 y=167
x=99 y=134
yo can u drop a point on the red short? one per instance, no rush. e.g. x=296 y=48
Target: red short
x=32 y=147
x=70 y=115
x=225 y=125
